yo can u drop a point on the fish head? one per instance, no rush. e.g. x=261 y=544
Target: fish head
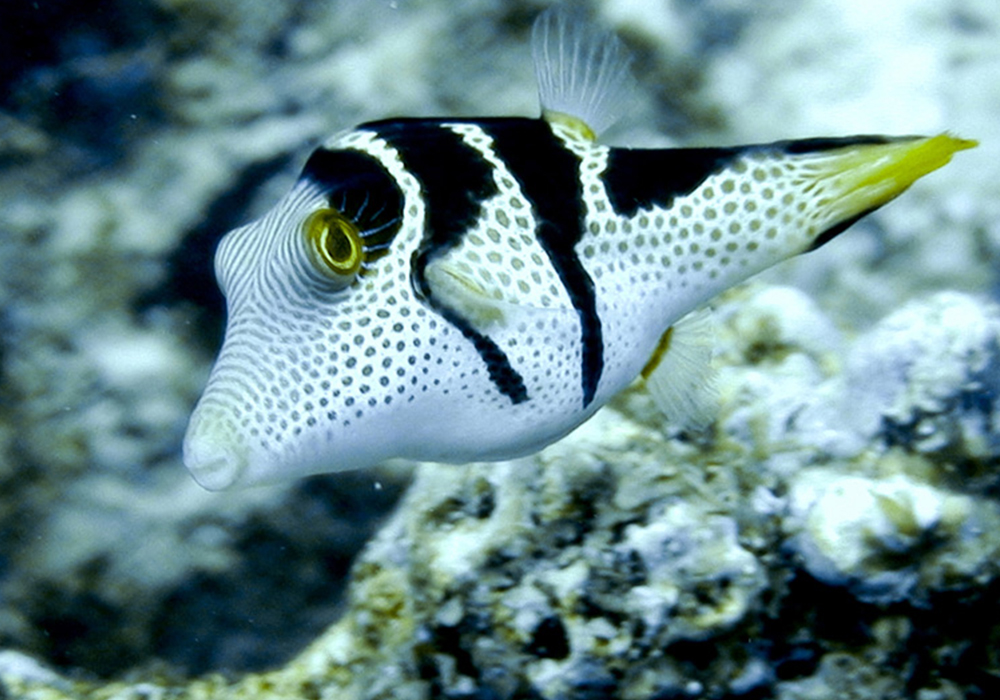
x=325 y=336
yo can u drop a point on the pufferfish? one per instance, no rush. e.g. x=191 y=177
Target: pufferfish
x=460 y=290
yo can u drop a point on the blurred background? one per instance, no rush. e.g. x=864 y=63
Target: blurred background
x=135 y=133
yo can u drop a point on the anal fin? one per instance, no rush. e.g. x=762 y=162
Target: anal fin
x=679 y=374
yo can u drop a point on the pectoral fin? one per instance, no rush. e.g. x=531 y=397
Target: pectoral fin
x=479 y=302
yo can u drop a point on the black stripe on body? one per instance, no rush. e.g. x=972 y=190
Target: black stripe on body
x=359 y=186
x=549 y=176
x=816 y=145
x=643 y=178
x=454 y=180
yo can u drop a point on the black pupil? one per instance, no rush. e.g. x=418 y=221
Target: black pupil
x=338 y=243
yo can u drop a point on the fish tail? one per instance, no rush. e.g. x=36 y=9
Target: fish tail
x=854 y=179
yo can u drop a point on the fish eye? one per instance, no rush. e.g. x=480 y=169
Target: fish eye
x=335 y=246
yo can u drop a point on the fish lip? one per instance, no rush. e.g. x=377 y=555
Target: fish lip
x=212 y=454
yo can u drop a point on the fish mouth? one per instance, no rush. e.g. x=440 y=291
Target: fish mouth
x=851 y=181
x=213 y=451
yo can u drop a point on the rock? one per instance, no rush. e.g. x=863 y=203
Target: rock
x=927 y=378
x=892 y=538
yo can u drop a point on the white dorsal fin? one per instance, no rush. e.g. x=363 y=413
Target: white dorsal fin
x=679 y=375
x=582 y=71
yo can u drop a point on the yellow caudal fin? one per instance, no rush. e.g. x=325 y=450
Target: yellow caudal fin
x=850 y=181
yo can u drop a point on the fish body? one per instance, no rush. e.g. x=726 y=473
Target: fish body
x=473 y=289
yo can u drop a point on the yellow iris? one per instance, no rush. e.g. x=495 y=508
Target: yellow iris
x=335 y=245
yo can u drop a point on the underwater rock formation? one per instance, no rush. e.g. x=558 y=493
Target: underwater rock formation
x=630 y=562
